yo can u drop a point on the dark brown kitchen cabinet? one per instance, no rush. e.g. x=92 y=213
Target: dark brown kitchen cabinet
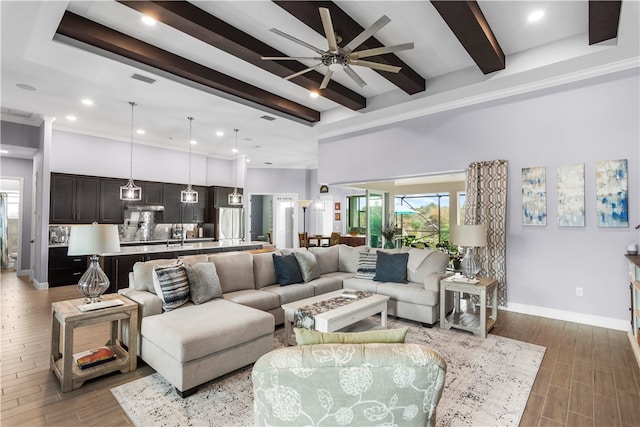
x=74 y=199
x=151 y=193
x=171 y=201
x=195 y=212
x=111 y=207
x=64 y=269
x=221 y=196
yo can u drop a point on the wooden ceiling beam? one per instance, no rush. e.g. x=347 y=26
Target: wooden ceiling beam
x=347 y=28
x=604 y=17
x=74 y=28
x=203 y=26
x=468 y=24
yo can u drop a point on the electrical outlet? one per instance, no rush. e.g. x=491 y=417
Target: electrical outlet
x=579 y=292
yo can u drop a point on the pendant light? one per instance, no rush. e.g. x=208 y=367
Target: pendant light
x=131 y=191
x=188 y=195
x=235 y=198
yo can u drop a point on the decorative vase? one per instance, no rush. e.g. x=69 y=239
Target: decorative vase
x=389 y=244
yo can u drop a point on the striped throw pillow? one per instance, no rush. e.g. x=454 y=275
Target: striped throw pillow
x=171 y=285
x=366 y=265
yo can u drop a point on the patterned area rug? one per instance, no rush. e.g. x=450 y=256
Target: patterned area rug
x=488 y=383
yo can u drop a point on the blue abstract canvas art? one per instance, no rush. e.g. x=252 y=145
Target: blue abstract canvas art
x=534 y=196
x=612 y=193
x=571 y=195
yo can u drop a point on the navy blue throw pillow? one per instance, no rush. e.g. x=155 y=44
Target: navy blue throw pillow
x=391 y=267
x=287 y=269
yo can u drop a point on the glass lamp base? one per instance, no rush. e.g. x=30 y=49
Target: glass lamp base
x=469 y=265
x=93 y=282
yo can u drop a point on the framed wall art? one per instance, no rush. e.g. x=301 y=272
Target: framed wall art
x=336 y=206
x=336 y=216
x=571 y=195
x=612 y=193
x=534 y=196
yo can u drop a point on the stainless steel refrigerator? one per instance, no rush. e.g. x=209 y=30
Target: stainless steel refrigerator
x=230 y=223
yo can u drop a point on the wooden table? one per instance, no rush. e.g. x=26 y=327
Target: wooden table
x=65 y=317
x=319 y=239
x=337 y=318
x=477 y=322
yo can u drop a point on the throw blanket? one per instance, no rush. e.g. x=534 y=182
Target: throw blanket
x=304 y=317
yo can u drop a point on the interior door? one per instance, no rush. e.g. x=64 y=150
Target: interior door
x=285 y=220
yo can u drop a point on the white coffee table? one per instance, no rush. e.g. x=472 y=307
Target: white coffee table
x=337 y=318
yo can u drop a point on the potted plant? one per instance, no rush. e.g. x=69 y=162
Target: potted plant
x=455 y=257
x=389 y=232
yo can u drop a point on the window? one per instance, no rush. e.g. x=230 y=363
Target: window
x=357 y=213
x=13 y=205
x=429 y=221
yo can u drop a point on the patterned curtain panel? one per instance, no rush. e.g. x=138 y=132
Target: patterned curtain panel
x=487 y=204
x=4 y=255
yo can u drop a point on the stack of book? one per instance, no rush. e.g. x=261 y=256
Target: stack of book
x=97 y=356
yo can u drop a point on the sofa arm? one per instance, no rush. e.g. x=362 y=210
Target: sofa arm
x=432 y=281
x=148 y=303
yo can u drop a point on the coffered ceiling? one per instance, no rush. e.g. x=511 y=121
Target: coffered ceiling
x=203 y=59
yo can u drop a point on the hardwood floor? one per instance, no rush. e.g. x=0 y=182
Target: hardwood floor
x=588 y=377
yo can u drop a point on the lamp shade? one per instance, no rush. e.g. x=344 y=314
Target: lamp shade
x=304 y=203
x=93 y=239
x=470 y=235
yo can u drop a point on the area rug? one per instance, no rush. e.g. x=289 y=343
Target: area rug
x=487 y=383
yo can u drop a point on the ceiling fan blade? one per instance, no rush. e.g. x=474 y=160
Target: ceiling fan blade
x=381 y=50
x=354 y=76
x=306 y=70
x=363 y=36
x=296 y=40
x=327 y=78
x=376 y=66
x=292 y=58
x=329 y=32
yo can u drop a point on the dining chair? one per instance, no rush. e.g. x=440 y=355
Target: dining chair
x=334 y=239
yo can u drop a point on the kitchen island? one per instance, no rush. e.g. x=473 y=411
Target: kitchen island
x=117 y=265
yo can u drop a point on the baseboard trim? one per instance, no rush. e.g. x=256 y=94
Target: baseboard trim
x=22 y=272
x=569 y=316
x=40 y=286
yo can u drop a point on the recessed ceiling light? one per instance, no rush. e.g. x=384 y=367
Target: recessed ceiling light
x=219 y=133
x=314 y=94
x=248 y=160
x=148 y=20
x=72 y=118
x=140 y=132
x=234 y=150
x=194 y=142
x=25 y=87
x=87 y=102
x=535 y=16
x=4 y=151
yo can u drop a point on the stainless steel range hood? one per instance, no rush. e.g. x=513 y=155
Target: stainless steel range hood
x=146 y=208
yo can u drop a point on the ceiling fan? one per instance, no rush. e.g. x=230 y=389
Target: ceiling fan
x=337 y=58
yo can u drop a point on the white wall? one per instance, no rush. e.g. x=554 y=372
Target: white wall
x=580 y=122
x=90 y=155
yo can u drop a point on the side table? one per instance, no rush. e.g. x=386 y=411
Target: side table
x=478 y=323
x=66 y=317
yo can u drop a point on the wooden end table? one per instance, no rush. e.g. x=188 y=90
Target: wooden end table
x=478 y=323
x=65 y=317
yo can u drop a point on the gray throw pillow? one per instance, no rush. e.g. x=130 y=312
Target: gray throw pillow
x=204 y=283
x=366 y=265
x=287 y=269
x=308 y=265
x=391 y=267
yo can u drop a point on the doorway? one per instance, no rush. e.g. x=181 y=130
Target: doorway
x=10 y=222
x=273 y=218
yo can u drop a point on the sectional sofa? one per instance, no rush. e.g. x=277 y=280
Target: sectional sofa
x=195 y=343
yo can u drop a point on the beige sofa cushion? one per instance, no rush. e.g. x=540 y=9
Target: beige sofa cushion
x=263 y=271
x=194 y=259
x=348 y=257
x=424 y=262
x=196 y=331
x=327 y=258
x=143 y=274
x=235 y=270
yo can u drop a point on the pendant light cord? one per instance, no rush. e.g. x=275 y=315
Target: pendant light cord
x=133 y=104
x=190 y=143
x=235 y=166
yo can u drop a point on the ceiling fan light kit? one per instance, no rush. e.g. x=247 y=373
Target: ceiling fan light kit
x=337 y=58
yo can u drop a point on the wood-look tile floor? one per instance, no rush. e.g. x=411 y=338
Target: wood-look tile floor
x=588 y=377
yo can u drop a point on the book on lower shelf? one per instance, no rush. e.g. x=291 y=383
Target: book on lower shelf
x=94 y=357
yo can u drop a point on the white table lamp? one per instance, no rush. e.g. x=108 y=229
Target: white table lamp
x=92 y=240
x=469 y=237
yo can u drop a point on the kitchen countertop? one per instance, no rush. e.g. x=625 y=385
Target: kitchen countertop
x=177 y=247
x=146 y=242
